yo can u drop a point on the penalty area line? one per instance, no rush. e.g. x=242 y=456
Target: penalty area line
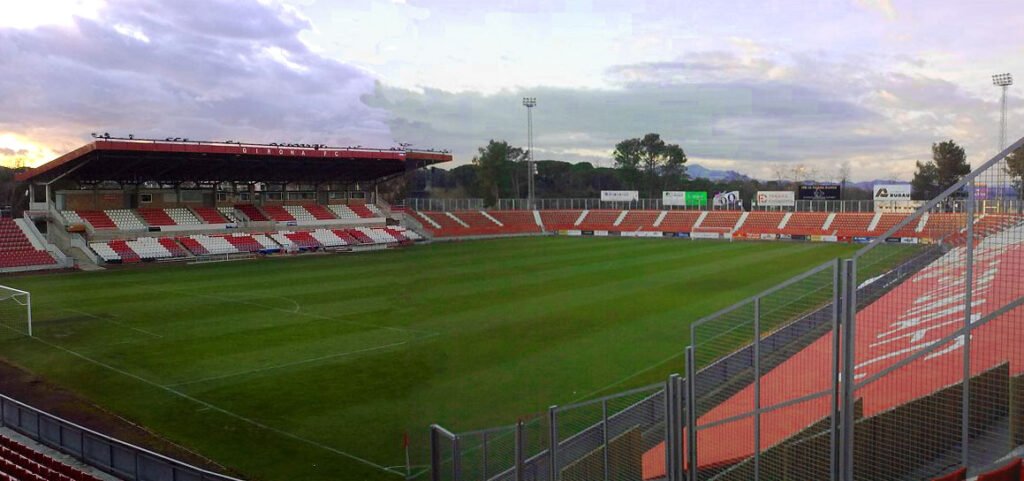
x=221 y=410
x=298 y=312
x=288 y=364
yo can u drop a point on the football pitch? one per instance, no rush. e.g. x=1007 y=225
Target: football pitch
x=313 y=367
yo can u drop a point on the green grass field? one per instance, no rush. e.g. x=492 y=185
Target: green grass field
x=311 y=368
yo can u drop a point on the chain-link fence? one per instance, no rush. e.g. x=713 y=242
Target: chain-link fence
x=936 y=359
x=124 y=460
x=905 y=362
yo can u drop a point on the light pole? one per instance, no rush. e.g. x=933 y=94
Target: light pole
x=1003 y=80
x=530 y=103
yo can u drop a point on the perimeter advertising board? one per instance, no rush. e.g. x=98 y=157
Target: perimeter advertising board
x=620 y=196
x=891 y=192
x=775 y=198
x=819 y=192
x=684 y=198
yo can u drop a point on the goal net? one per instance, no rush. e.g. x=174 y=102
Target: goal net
x=15 y=312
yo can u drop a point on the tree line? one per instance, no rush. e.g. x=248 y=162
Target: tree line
x=949 y=165
x=650 y=165
x=647 y=164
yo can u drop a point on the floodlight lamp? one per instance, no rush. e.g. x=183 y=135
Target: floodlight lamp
x=530 y=101
x=1002 y=80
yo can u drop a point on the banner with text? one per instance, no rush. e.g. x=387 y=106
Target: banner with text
x=684 y=198
x=620 y=196
x=776 y=198
x=819 y=192
x=728 y=199
x=891 y=192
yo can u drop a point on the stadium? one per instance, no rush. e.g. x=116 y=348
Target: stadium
x=511 y=240
x=244 y=311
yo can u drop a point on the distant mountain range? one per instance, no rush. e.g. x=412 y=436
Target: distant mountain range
x=712 y=174
x=696 y=170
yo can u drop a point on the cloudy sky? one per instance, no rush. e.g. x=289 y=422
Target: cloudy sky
x=745 y=85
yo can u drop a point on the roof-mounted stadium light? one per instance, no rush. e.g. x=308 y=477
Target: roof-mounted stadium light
x=1003 y=81
x=529 y=103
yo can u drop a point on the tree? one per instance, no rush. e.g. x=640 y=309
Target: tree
x=951 y=161
x=649 y=163
x=627 y=161
x=495 y=167
x=924 y=186
x=843 y=176
x=1015 y=169
x=947 y=167
x=520 y=171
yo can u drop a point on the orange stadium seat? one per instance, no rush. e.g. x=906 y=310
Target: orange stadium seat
x=639 y=220
x=720 y=221
x=851 y=224
x=516 y=221
x=762 y=222
x=600 y=220
x=559 y=219
x=679 y=221
x=805 y=223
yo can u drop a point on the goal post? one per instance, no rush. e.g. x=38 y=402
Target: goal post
x=16 y=309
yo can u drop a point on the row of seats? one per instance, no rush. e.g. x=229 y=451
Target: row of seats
x=142 y=218
x=1012 y=471
x=16 y=250
x=143 y=248
x=22 y=463
x=153 y=248
x=843 y=224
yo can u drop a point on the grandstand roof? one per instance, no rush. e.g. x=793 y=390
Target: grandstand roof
x=135 y=161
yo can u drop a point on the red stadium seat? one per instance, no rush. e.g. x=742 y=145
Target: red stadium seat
x=958 y=475
x=210 y=215
x=16 y=250
x=1010 y=472
x=21 y=463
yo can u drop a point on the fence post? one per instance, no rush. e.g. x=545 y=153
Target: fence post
x=965 y=413
x=435 y=455
x=848 y=321
x=757 y=389
x=456 y=458
x=519 y=455
x=691 y=412
x=484 y=435
x=604 y=435
x=674 y=428
x=553 y=441
x=837 y=302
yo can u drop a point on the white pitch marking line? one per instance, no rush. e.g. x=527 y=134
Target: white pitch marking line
x=94 y=316
x=215 y=408
x=307 y=314
x=287 y=364
x=631 y=376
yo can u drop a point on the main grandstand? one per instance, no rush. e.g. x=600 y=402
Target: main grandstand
x=129 y=200
x=331 y=367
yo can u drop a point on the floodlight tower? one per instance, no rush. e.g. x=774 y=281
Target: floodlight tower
x=1003 y=80
x=530 y=103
